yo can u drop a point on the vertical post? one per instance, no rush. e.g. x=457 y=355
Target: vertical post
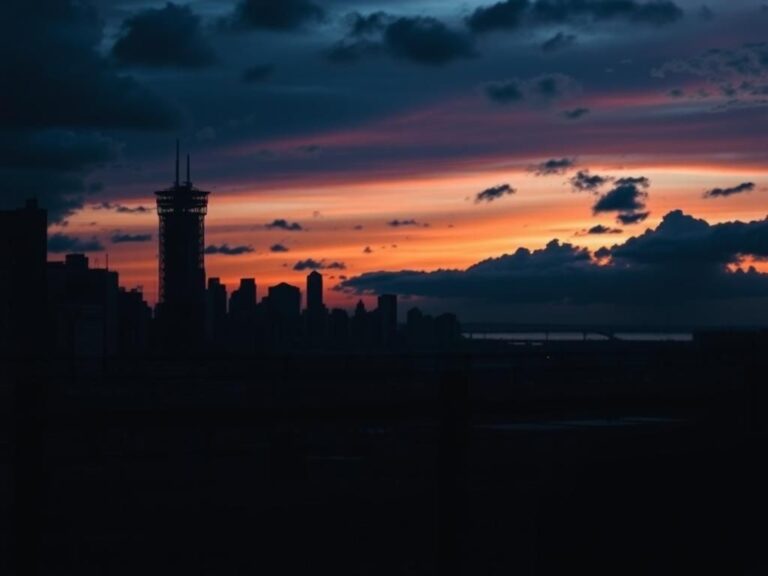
x=177 y=162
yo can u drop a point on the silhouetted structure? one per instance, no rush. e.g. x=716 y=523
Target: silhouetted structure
x=23 y=251
x=359 y=325
x=338 y=328
x=215 y=311
x=242 y=318
x=316 y=314
x=84 y=308
x=314 y=290
x=387 y=317
x=134 y=323
x=423 y=332
x=242 y=303
x=284 y=313
x=182 y=209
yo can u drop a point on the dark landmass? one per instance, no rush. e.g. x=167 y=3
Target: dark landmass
x=567 y=457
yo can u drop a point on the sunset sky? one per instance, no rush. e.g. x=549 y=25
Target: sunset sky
x=397 y=144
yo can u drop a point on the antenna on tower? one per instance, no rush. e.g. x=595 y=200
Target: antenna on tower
x=189 y=178
x=177 y=161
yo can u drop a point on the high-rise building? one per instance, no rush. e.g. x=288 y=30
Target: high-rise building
x=387 y=317
x=85 y=308
x=314 y=291
x=181 y=303
x=242 y=303
x=285 y=301
x=316 y=315
x=284 y=313
x=23 y=252
x=215 y=310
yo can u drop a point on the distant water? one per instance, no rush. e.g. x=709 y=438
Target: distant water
x=579 y=336
x=584 y=424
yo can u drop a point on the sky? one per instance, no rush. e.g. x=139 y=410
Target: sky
x=540 y=161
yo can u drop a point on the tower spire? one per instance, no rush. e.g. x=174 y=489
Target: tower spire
x=189 y=177
x=177 y=162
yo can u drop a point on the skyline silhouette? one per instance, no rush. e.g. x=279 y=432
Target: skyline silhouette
x=68 y=309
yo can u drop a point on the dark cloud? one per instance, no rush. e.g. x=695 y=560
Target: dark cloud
x=347 y=51
x=56 y=77
x=494 y=193
x=739 y=74
x=278 y=248
x=559 y=41
x=165 y=37
x=368 y=24
x=276 y=15
x=551 y=86
x=514 y=14
x=122 y=209
x=500 y=16
x=652 y=12
x=683 y=240
x=602 y=253
x=684 y=260
x=312 y=264
x=422 y=40
x=540 y=89
x=57 y=150
x=59 y=92
x=426 y=41
x=584 y=181
x=627 y=198
x=258 y=73
x=600 y=229
x=575 y=113
x=408 y=222
x=628 y=218
x=554 y=166
x=723 y=192
x=282 y=224
x=127 y=238
x=227 y=250
x=60 y=243
x=505 y=92
x=51 y=165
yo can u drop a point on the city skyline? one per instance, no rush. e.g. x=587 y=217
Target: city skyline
x=366 y=137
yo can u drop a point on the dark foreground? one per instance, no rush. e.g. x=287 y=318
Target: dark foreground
x=595 y=458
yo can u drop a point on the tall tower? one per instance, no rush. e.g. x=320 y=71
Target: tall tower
x=181 y=306
x=315 y=291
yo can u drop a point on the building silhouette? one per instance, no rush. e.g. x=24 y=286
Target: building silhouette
x=181 y=304
x=215 y=311
x=71 y=310
x=314 y=291
x=134 y=323
x=23 y=253
x=85 y=309
x=315 y=316
x=284 y=314
x=243 y=307
x=242 y=303
x=387 y=317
